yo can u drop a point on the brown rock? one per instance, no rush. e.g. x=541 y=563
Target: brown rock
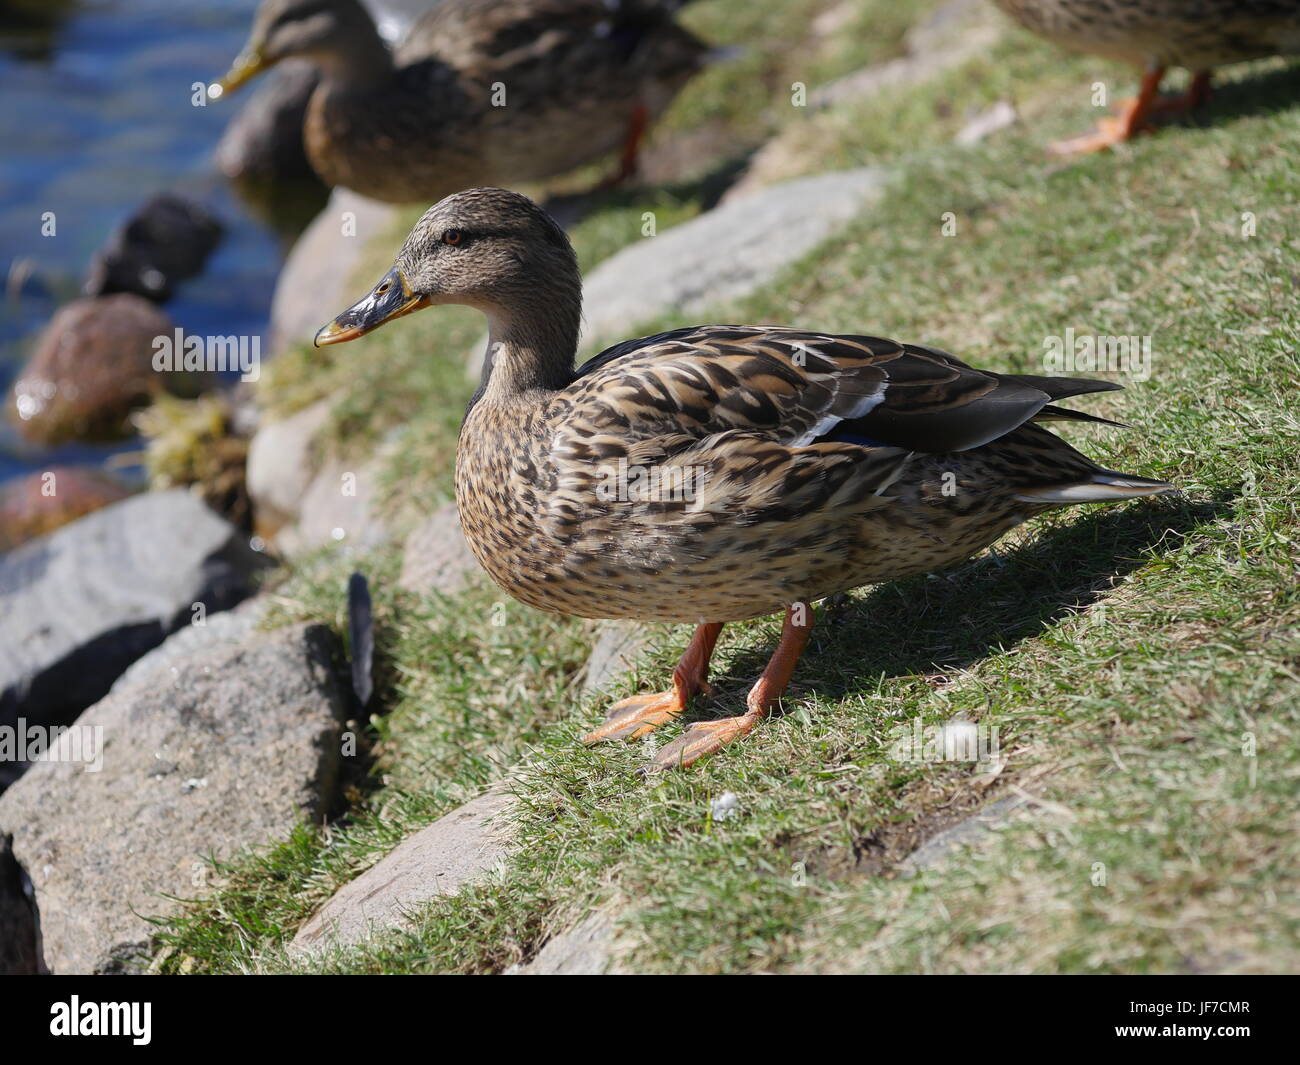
x=44 y=500
x=92 y=365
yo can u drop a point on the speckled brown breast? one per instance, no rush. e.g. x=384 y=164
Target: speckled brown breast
x=1196 y=34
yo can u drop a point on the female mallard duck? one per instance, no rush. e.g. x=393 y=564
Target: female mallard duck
x=479 y=91
x=1154 y=34
x=719 y=472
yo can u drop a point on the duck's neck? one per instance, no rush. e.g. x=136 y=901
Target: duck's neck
x=530 y=349
x=359 y=59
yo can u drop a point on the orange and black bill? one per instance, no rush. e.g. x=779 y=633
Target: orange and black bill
x=389 y=299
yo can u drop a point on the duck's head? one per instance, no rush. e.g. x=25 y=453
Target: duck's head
x=321 y=30
x=487 y=248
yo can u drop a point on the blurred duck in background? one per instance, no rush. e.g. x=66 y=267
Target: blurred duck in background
x=479 y=92
x=1153 y=35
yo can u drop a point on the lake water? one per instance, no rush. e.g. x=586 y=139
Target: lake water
x=95 y=117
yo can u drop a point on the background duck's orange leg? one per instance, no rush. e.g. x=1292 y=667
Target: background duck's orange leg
x=628 y=159
x=640 y=714
x=1196 y=96
x=1131 y=120
x=705 y=737
x=1198 y=93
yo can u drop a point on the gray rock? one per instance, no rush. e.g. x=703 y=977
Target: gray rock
x=964 y=833
x=587 y=949
x=231 y=753
x=987 y=122
x=950 y=35
x=282 y=462
x=455 y=850
x=216 y=633
x=726 y=253
x=619 y=648
x=338 y=507
x=316 y=282
x=720 y=256
x=80 y=605
x=435 y=557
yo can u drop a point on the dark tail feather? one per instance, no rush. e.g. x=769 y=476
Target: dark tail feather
x=1062 y=387
x=1062 y=414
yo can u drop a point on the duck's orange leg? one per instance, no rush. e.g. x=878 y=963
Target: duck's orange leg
x=640 y=714
x=705 y=737
x=1131 y=120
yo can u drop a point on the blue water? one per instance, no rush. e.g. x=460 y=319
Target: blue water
x=96 y=116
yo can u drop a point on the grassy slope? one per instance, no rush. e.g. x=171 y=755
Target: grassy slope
x=1128 y=656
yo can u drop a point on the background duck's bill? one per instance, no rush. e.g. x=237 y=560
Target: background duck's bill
x=389 y=299
x=245 y=67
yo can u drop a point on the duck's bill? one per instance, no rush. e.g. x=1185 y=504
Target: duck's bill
x=389 y=299
x=246 y=67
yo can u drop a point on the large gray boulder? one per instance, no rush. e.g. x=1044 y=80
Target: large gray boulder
x=230 y=751
x=216 y=633
x=80 y=605
x=724 y=254
x=339 y=506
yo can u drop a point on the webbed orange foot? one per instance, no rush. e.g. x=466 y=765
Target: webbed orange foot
x=706 y=737
x=631 y=718
x=701 y=739
x=1132 y=118
x=1109 y=132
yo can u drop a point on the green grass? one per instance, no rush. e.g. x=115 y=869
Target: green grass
x=1139 y=662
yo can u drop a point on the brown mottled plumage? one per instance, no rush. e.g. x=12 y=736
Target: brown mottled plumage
x=718 y=472
x=1155 y=34
x=479 y=90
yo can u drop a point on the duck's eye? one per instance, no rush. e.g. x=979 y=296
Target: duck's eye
x=453 y=237
x=383 y=288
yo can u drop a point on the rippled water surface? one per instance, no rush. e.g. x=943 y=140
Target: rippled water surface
x=96 y=116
